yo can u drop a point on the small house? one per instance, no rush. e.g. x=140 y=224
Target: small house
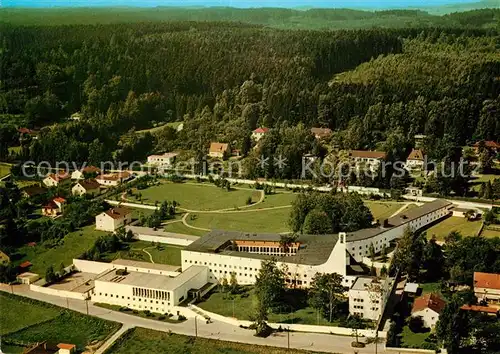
x=487 y=287
x=219 y=150
x=259 y=133
x=113 y=219
x=86 y=171
x=415 y=160
x=56 y=179
x=163 y=160
x=321 y=133
x=429 y=307
x=88 y=187
x=113 y=179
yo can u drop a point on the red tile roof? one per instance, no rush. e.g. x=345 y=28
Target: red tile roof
x=91 y=169
x=261 y=130
x=368 y=154
x=60 y=176
x=116 y=176
x=487 y=280
x=489 y=144
x=25 y=264
x=89 y=184
x=321 y=132
x=118 y=212
x=431 y=301
x=416 y=154
x=66 y=346
x=25 y=131
x=476 y=308
x=51 y=205
x=59 y=200
x=218 y=147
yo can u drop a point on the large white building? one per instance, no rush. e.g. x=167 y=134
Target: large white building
x=164 y=160
x=368 y=296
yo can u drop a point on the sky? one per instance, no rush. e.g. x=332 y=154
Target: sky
x=234 y=3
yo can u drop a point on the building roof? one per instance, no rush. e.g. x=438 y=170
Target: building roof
x=51 y=205
x=167 y=155
x=27 y=275
x=42 y=348
x=321 y=132
x=486 y=280
x=115 y=176
x=431 y=301
x=367 y=154
x=219 y=147
x=152 y=281
x=416 y=154
x=313 y=250
x=147 y=265
x=398 y=220
x=118 y=212
x=61 y=176
x=31 y=191
x=66 y=346
x=25 y=131
x=25 y=264
x=362 y=283
x=411 y=288
x=89 y=184
x=59 y=200
x=90 y=169
x=261 y=130
x=489 y=144
x=141 y=230
x=476 y=308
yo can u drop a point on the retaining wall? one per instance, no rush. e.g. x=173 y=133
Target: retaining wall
x=56 y=292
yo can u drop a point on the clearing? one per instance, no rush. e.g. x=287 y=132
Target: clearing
x=382 y=210
x=454 y=223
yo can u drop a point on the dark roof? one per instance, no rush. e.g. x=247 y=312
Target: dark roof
x=367 y=154
x=313 y=250
x=42 y=348
x=398 y=220
x=89 y=184
x=118 y=212
x=431 y=301
x=33 y=190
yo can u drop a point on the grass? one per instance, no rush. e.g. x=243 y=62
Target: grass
x=413 y=340
x=180 y=228
x=382 y=210
x=4 y=169
x=197 y=196
x=476 y=183
x=73 y=245
x=29 y=321
x=454 y=223
x=143 y=314
x=258 y=221
x=141 y=340
x=276 y=200
x=431 y=288
x=243 y=308
x=173 y=125
x=163 y=253
x=490 y=233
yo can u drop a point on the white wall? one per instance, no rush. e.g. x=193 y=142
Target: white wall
x=56 y=292
x=160 y=239
x=430 y=317
x=91 y=266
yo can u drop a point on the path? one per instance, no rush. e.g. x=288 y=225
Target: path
x=400 y=210
x=215 y=330
x=111 y=340
x=149 y=254
x=191 y=226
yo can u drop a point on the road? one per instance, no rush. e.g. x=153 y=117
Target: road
x=215 y=330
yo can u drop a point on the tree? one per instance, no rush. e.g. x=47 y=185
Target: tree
x=317 y=222
x=269 y=286
x=50 y=275
x=62 y=270
x=432 y=259
x=408 y=254
x=452 y=326
x=371 y=251
x=233 y=283
x=224 y=284
x=416 y=324
x=325 y=293
x=356 y=323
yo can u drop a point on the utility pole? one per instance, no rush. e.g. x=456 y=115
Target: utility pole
x=233 y=307
x=12 y=288
x=196 y=326
x=87 y=305
x=288 y=337
x=67 y=302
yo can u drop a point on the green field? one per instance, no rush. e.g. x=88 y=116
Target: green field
x=73 y=245
x=197 y=196
x=141 y=340
x=276 y=200
x=162 y=253
x=382 y=210
x=413 y=340
x=28 y=321
x=490 y=233
x=4 y=169
x=258 y=221
x=454 y=223
x=476 y=183
x=180 y=228
x=243 y=308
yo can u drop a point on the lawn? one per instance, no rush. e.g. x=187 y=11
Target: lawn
x=276 y=200
x=256 y=221
x=413 y=340
x=141 y=340
x=180 y=228
x=382 y=210
x=243 y=308
x=197 y=196
x=73 y=245
x=4 y=169
x=454 y=223
x=30 y=321
x=476 y=183
x=490 y=233
x=162 y=253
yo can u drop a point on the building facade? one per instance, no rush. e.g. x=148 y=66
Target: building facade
x=113 y=219
x=367 y=159
x=164 y=160
x=368 y=296
x=429 y=307
x=487 y=287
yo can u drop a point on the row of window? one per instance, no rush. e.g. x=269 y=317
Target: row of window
x=133 y=299
x=151 y=294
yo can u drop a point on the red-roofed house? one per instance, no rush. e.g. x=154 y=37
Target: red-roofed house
x=488 y=144
x=484 y=309
x=89 y=186
x=54 y=207
x=66 y=348
x=54 y=180
x=321 y=133
x=370 y=159
x=113 y=179
x=429 y=307
x=487 y=287
x=219 y=150
x=259 y=133
x=113 y=219
x=80 y=174
x=415 y=161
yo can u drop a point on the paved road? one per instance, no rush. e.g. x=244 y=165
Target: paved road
x=214 y=330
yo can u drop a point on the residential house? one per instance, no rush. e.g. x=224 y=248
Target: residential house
x=48 y=348
x=492 y=146
x=113 y=179
x=415 y=160
x=25 y=131
x=89 y=187
x=32 y=191
x=163 y=160
x=492 y=311
x=219 y=150
x=82 y=173
x=4 y=258
x=487 y=287
x=25 y=266
x=113 y=219
x=56 y=179
x=368 y=297
x=369 y=159
x=27 y=277
x=419 y=140
x=321 y=133
x=259 y=133
x=54 y=207
x=429 y=307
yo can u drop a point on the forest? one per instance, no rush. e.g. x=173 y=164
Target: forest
x=375 y=88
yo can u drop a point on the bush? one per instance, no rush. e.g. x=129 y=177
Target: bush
x=416 y=324
x=161 y=317
x=181 y=318
x=249 y=201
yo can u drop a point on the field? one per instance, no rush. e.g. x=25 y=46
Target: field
x=243 y=308
x=454 y=223
x=476 y=183
x=4 y=170
x=141 y=340
x=382 y=210
x=413 y=340
x=163 y=254
x=258 y=221
x=28 y=321
x=276 y=200
x=197 y=196
x=490 y=233
x=73 y=245
x=180 y=228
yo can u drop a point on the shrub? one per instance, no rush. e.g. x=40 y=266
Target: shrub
x=181 y=318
